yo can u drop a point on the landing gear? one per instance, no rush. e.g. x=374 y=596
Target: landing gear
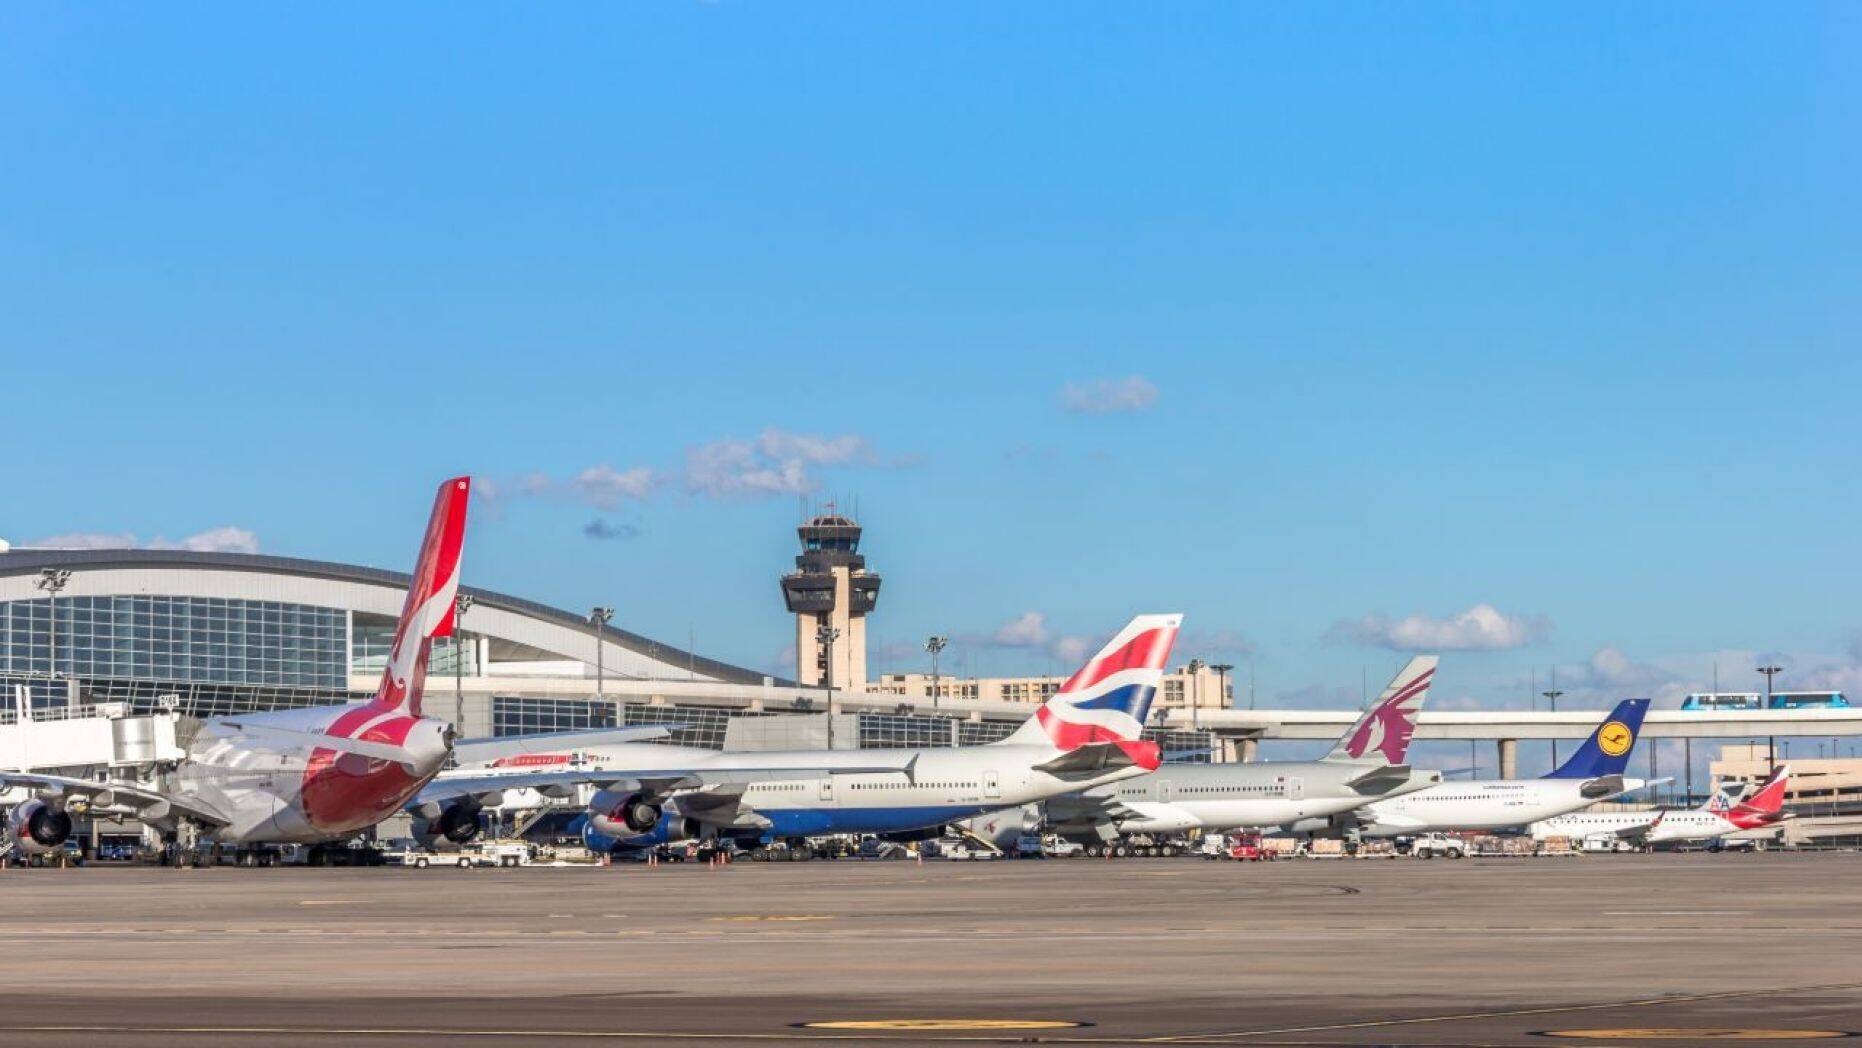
x=187 y=844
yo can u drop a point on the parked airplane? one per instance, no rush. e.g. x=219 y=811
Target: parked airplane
x=1088 y=733
x=1709 y=822
x=1594 y=773
x=305 y=775
x=1367 y=764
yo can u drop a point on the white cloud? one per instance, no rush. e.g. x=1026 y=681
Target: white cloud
x=1109 y=395
x=1480 y=628
x=1029 y=629
x=224 y=539
x=777 y=462
x=605 y=487
x=88 y=540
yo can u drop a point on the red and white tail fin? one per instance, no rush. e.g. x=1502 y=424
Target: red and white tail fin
x=1766 y=805
x=428 y=612
x=1382 y=735
x=1108 y=699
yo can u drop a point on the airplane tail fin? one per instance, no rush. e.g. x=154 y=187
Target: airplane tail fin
x=1106 y=702
x=428 y=612
x=1766 y=805
x=1382 y=735
x=1606 y=752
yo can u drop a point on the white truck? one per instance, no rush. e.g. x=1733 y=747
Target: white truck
x=1438 y=846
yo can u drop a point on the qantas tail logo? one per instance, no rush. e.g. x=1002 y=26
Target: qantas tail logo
x=1383 y=733
x=428 y=612
x=1108 y=699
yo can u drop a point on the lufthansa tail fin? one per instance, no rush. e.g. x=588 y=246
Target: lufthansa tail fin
x=428 y=612
x=1106 y=702
x=1606 y=752
x=1382 y=735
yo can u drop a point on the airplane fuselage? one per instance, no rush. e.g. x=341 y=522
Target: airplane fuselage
x=284 y=793
x=1220 y=797
x=945 y=785
x=1492 y=804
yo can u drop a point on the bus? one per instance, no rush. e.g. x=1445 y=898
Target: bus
x=1752 y=700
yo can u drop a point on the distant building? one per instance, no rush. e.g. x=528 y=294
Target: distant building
x=1825 y=795
x=1204 y=688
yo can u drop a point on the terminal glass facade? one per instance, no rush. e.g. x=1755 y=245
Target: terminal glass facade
x=178 y=639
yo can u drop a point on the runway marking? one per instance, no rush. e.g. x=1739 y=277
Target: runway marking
x=923 y=1025
x=1681 y=1033
x=1677 y=913
x=776 y=917
x=1650 y=1002
x=321 y=902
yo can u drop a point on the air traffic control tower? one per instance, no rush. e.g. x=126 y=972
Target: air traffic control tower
x=830 y=589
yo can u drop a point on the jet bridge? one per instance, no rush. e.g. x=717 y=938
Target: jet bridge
x=93 y=736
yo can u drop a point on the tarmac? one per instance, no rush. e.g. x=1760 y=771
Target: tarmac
x=1593 y=950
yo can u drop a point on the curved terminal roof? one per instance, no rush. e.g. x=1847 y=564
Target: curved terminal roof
x=373 y=591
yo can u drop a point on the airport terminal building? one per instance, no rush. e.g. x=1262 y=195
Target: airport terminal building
x=224 y=633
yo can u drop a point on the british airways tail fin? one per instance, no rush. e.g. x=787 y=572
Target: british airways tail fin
x=1382 y=735
x=1108 y=699
x=1606 y=752
x=428 y=612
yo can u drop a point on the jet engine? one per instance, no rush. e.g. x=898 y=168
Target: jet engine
x=636 y=813
x=457 y=823
x=635 y=821
x=37 y=828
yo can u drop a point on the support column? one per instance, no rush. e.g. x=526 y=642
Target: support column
x=1509 y=758
x=1250 y=750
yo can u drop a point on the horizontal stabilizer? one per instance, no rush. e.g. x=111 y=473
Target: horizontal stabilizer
x=1096 y=757
x=1379 y=779
x=291 y=739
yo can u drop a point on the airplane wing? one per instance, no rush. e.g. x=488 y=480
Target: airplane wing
x=146 y=804
x=483 y=751
x=488 y=789
x=1088 y=807
x=1399 y=821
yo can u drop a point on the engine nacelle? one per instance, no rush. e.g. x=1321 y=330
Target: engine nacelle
x=618 y=826
x=38 y=828
x=457 y=823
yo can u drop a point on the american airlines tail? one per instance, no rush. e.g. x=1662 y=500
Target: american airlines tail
x=1606 y=752
x=1105 y=703
x=428 y=612
x=1382 y=735
x=1765 y=806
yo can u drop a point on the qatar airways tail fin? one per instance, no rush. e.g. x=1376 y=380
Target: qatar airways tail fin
x=1103 y=706
x=428 y=612
x=1766 y=805
x=1382 y=735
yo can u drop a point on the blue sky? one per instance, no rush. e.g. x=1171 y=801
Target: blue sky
x=1301 y=321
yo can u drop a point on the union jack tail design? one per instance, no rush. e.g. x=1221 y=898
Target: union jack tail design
x=1108 y=699
x=1382 y=735
x=1765 y=806
x=428 y=612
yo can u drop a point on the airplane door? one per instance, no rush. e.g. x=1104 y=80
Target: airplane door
x=992 y=786
x=1296 y=788
x=827 y=789
x=1163 y=790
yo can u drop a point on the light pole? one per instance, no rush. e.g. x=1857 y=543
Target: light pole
x=827 y=635
x=51 y=580
x=1771 y=741
x=1221 y=671
x=462 y=603
x=1196 y=693
x=935 y=644
x=598 y=617
x=1552 y=697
